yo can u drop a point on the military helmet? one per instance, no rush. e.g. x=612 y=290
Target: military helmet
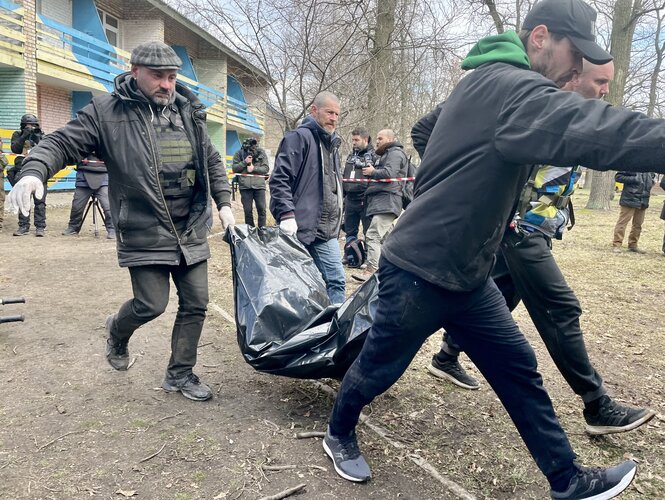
x=29 y=119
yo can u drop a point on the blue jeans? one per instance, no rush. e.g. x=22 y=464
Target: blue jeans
x=409 y=310
x=328 y=260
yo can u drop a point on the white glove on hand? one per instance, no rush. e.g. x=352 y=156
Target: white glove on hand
x=226 y=216
x=19 y=197
x=289 y=226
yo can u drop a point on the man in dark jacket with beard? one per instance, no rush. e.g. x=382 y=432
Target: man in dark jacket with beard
x=383 y=200
x=434 y=270
x=354 y=192
x=632 y=205
x=306 y=190
x=151 y=134
x=250 y=159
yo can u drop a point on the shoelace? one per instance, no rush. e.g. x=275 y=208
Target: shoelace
x=350 y=448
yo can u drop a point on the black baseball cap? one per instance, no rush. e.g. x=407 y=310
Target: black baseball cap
x=572 y=18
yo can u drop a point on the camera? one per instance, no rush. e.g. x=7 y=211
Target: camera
x=249 y=143
x=363 y=162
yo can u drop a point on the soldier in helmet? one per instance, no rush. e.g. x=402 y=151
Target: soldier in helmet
x=23 y=141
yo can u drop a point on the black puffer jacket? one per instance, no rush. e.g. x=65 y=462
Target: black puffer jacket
x=118 y=127
x=386 y=197
x=260 y=170
x=636 y=188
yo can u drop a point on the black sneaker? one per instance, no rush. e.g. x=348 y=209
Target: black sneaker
x=70 y=231
x=598 y=484
x=116 y=350
x=39 y=232
x=613 y=417
x=190 y=386
x=453 y=372
x=347 y=459
x=22 y=231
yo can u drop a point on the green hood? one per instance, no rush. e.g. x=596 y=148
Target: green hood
x=506 y=47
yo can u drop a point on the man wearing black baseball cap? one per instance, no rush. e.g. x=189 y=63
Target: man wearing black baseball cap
x=162 y=168
x=506 y=116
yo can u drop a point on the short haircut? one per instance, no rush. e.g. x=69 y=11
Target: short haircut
x=390 y=133
x=523 y=35
x=323 y=97
x=361 y=131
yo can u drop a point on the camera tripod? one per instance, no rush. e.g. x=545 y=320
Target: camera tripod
x=93 y=204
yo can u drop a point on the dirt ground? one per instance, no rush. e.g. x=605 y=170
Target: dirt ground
x=71 y=427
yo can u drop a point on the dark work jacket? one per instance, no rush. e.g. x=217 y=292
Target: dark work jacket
x=498 y=122
x=356 y=190
x=297 y=184
x=118 y=128
x=386 y=197
x=636 y=188
x=91 y=173
x=261 y=167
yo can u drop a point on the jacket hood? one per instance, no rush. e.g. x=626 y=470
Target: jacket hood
x=126 y=88
x=382 y=149
x=328 y=139
x=506 y=48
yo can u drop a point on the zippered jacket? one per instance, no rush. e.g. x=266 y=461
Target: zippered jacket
x=636 y=189
x=498 y=122
x=386 y=197
x=118 y=128
x=297 y=185
x=261 y=167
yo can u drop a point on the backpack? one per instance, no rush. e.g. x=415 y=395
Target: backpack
x=407 y=186
x=355 y=252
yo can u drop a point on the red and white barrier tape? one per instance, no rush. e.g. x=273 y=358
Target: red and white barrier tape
x=393 y=179
x=265 y=176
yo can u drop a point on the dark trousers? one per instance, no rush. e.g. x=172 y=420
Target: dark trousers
x=81 y=197
x=409 y=310
x=150 y=285
x=250 y=196
x=354 y=214
x=554 y=310
x=39 y=212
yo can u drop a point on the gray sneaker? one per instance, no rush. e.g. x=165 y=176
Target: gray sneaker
x=190 y=386
x=116 y=350
x=453 y=372
x=613 y=417
x=347 y=459
x=598 y=484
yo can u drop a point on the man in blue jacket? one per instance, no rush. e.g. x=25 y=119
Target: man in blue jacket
x=504 y=117
x=306 y=190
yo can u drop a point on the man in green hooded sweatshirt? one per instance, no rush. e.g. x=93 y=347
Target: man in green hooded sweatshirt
x=504 y=117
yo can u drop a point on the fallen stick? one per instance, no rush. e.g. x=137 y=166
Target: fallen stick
x=285 y=493
x=58 y=439
x=153 y=455
x=311 y=434
x=278 y=467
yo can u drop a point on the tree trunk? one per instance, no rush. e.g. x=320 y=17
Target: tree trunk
x=623 y=27
x=660 y=49
x=381 y=66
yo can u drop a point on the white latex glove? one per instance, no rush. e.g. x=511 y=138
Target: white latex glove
x=289 y=226
x=226 y=216
x=19 y=198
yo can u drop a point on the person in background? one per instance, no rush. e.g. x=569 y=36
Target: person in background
x=251 y=159
x=633 y=206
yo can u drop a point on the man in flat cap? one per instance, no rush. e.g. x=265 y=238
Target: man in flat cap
x=152 y=136
x=506 y=116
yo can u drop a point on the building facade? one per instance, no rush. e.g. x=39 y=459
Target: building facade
x=55 y=55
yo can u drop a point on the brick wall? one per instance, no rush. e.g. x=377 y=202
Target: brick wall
x=29 y=55
x=55 y=107
x=135 y=32
x=211 y=72
x=58 y=10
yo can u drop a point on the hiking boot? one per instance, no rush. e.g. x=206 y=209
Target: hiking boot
x=190 y=386
x=39 y=232
x=110 y=234
x=22 y=231
x=637 y=250
x=453 y=372
x=70 y=231
x=613 y=417
x=598 y=484
x=116 y=350
x=347 y=459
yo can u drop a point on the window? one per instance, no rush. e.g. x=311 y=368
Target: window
x=111 y=27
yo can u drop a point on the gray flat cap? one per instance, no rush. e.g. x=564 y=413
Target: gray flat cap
x=156 y=55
